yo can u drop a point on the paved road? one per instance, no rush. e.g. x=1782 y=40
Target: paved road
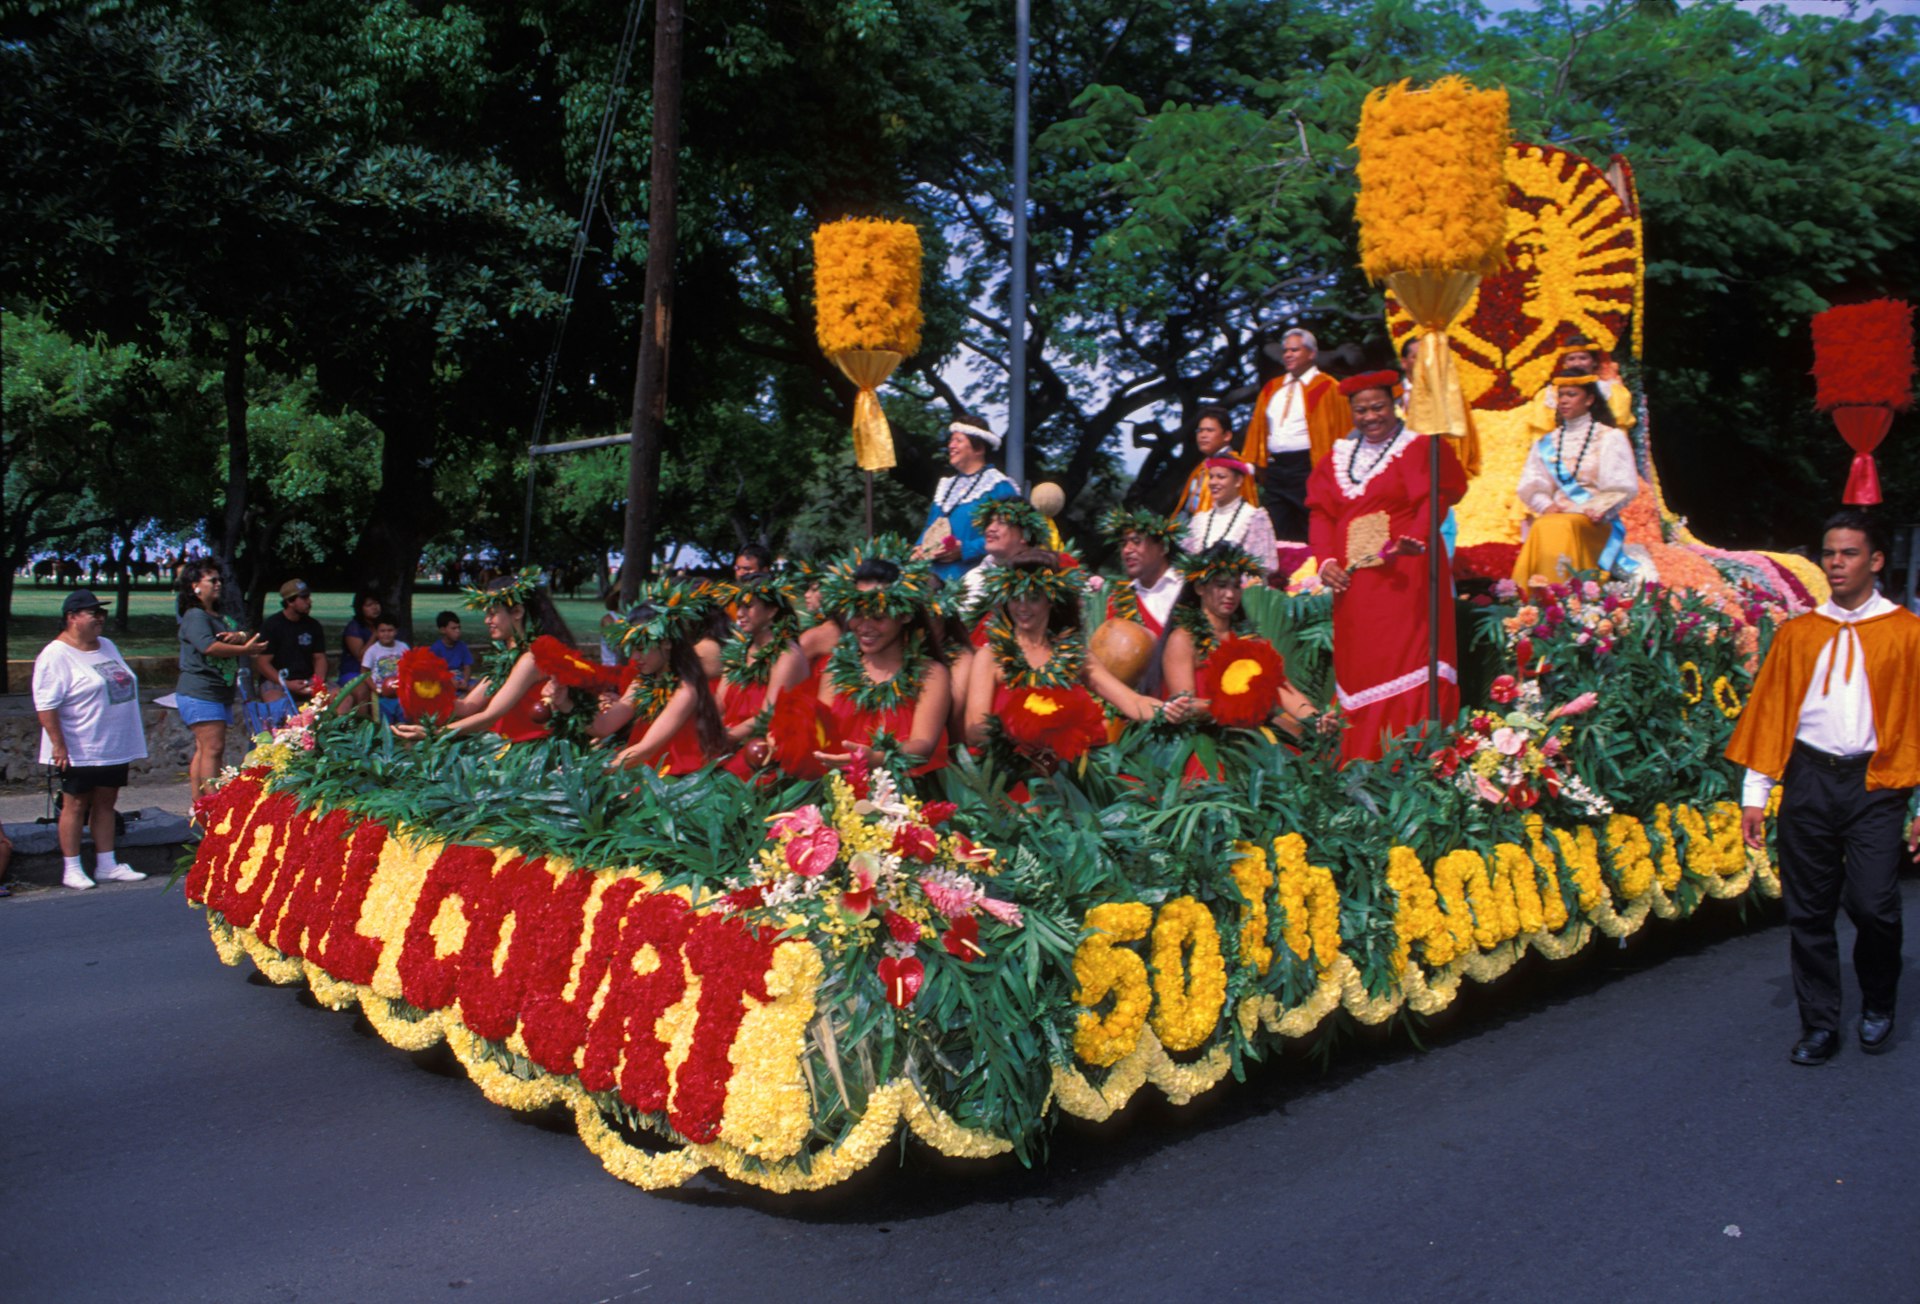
x=1627 y=1128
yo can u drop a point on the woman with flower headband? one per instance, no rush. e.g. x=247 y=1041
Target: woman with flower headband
x=1009 y=527
x=1576 y=480
x=514 y=696
x=1232 y=519
x=764 y=661
x=886 y=680
x=1369 y=504
x=1214 y=656
x=1035 y=641
x=819 y=633
x=669 y=710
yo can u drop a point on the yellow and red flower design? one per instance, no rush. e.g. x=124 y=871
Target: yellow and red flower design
x=1242 y=679
x=426 y=685
x=1063 y=721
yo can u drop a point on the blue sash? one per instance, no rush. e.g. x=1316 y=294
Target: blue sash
x=1613 y=557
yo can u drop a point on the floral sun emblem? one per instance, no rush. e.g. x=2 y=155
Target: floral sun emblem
x=1242 y=679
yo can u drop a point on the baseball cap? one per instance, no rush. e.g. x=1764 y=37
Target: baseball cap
x=293 y=589
x=81 y=600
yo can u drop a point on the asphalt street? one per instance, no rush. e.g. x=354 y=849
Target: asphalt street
x=1623 y=1127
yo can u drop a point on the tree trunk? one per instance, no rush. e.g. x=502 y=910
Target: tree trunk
x=402 y=517
x=6 y=613
x=234 y=387
x=656 y=321
x=123 y=587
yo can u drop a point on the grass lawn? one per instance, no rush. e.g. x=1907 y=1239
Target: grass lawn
x=152 y=631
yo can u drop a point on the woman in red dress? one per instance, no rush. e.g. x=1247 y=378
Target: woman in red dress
x=758 y=666
x=885 y=683
x=513 y=697
x=1208 y=617
x=1369 y=503
x=1034 y=640
x=670 y=705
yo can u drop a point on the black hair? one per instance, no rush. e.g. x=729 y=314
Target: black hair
x=764 y=587
x=384 y=619
x=683 y=659
x=541 y=615
x=1219 y=414
x=191 y=574
x=360 y=600
x=1866 y=522
x=759 y=552
x=878 y=570
x=446 y=618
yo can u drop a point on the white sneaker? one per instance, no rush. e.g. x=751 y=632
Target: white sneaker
x=118 y=872
x=76 y=879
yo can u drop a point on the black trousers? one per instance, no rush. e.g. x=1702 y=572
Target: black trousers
x=1283 y=492
x=1840 y=845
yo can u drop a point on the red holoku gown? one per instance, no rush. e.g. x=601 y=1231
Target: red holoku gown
x=1380 y=622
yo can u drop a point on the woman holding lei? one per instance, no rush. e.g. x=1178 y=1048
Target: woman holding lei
x=886 y=681
x=515 y=697
x=1213 y=651
x=1035 y=643
x=670 y=704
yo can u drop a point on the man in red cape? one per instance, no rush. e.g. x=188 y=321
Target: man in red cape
x=1296 y=419
x=1377 y=479
x=1834 y=719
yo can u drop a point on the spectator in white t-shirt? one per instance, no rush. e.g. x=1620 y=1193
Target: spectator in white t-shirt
x=89 y=707
x=381 y=660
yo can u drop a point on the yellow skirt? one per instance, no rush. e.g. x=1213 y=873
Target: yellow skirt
x=1558 y=545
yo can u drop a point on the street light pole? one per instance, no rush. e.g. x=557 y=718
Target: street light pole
x=1017 y=309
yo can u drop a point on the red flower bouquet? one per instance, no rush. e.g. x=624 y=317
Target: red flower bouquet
x=1242 y=680
x=426 y=685
x=1063 y=721
x=797 y=730
x=569 y=666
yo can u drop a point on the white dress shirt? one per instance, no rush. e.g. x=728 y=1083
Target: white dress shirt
x=1287 y=415
x=1837 y=714
x=1157 y=599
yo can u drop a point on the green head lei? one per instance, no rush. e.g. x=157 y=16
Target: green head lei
x=1017 y=512
x=507 y=591
x=1221 y=561
x=1118 y=523
x=1001 y=584
x=784 y=592
x=663 y=611
x=906 y=597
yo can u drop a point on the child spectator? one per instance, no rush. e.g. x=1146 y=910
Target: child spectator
x=450 y=649
x=382 y=660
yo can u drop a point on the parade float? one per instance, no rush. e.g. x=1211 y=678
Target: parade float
x=774 y=981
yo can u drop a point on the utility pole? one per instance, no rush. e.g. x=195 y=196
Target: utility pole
x=1017 y=309
x=656 y=321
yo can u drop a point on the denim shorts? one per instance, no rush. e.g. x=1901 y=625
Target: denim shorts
x=194 y=710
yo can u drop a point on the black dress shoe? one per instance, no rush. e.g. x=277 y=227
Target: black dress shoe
x=1876 y=1031
x=1816 y=1048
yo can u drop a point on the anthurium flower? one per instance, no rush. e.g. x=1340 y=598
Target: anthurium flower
x=858 y=902
x=1508 y=741
x=1503 y=690
x=962 y=940
x=916 y=842
x=967 y=852
x=901 y=979
x=813 y=853
x=804 y=820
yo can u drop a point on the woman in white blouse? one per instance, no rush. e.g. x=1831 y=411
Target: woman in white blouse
x=1237 y=521
x=1577 y=478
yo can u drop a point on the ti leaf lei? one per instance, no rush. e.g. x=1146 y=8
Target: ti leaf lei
x=1062 y=670
x=1123 y=601
x=499 y=663
x=848 y=674
x=744 y=666
x=1195 y=622
x=650 y=694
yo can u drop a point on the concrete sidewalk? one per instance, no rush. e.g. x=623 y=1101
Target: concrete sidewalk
x=152 y=843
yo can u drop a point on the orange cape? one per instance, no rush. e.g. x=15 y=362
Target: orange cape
x=1328 y=419
x=1763 y=740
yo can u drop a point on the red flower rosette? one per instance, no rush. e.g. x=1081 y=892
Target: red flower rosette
x=426 y=685
x=797 y=730
x=568 y=666
x=1242 y=680
x=1063 y=721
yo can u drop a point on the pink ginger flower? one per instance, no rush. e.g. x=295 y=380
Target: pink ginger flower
x=1005 y=911
x=1578 y=706
x=953 y=895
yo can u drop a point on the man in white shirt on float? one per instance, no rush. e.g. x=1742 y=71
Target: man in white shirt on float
x=1296 y=419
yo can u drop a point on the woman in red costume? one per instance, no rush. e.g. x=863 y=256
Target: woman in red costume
x=759 y=665
x=1369 y=503
x=514 y=697
x=1034 y=640
x=1209 y=617
x=885 y=683
x=669 y=710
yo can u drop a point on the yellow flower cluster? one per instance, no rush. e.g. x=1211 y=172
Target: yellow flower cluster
x=1100 y=967
x=1417 y=914
x=1726 y=698
x=1433 y=185
x=1310 y=901
x=1189 y=977
x=866 y=286
x=1632 y=856
x=1250 y=875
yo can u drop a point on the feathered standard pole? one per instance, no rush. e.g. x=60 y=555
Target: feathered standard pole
x=1863 y=370
x=1433 y=220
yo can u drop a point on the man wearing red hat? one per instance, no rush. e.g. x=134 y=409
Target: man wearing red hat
x=1233 y=519
x=1371 y=502
x=1296 y=419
